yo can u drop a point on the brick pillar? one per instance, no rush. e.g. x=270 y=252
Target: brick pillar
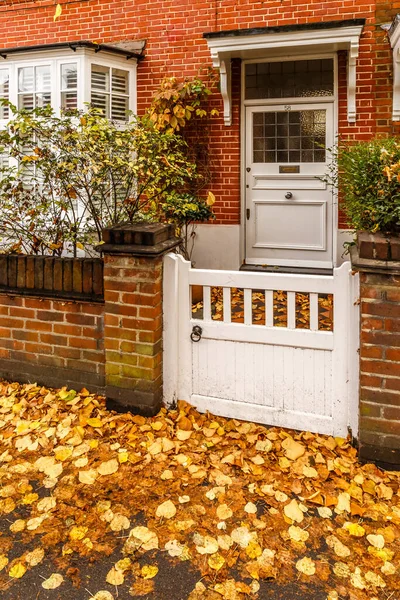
x=133 y=271
x=379 y=434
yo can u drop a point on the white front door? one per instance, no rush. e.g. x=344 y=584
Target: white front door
x=289 y=210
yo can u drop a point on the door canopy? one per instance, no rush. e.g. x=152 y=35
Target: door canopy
x=264 y=42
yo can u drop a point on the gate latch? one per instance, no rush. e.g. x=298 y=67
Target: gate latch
x=195 y=336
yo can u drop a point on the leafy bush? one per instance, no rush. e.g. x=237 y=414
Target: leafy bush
x=368 y=176
x=185 y=210
x=79 y=173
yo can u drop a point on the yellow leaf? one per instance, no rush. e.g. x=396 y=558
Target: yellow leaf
x=88 y=477
x=17 y=571
x=298 y=534
x=53 y=582
x=354 y=529
x=357 y=580
x=124 y=564
x=141 y=538
x=148 y=571
x=103 y=595
x=306 y=566
x=377 y=541
x=293 y=512
x=341 y=570
x=216 y=561
x=374 y=579
x=224 y=512
x=46 y=504
x=95 y=422
x=253 y=550
x=183 y=435
x=387 y=569
x=115 y=577
x=343 y=504
x=30 y=498
x=383 y=553
x=119 y=522
x=123 y=457
x=293 y=450
x=250 y=508
x=324 y=512
x=166 y=510
x=3 y=561
x=206 y=544
x=108 y=467
x=337 y=546
x=210 y=199
x=35 y=557
x=78 y=533
x=310 y=472
x=167 y=474
x=58 y=12
x=63 y=453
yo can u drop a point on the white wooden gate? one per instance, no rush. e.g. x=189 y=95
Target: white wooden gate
x=285 y=376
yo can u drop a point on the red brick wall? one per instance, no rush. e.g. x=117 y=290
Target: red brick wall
x=380 y=367
x=52 y=341
x=175 y=46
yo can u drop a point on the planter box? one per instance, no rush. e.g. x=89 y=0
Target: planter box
x=377 y=246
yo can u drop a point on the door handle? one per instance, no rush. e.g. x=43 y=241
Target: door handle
x=288 y=195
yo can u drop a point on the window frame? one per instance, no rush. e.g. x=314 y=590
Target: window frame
x=84 y=58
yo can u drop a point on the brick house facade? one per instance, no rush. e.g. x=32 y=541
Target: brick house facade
x=349 y=37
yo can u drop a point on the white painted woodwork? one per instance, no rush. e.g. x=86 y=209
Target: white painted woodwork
x=296 y=231
x=299 y=378
x=311 y=42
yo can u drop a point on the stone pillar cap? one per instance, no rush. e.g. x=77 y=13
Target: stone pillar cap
x=140 y=239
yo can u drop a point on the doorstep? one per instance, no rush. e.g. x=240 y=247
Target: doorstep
x=292 y=270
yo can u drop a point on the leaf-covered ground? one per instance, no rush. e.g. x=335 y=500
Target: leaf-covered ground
x=184 y=506
x=258 y=306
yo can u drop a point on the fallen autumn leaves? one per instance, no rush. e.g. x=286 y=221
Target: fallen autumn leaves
x=244 y=504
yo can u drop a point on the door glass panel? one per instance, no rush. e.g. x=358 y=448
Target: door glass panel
x=292 y=136
x=289 y=79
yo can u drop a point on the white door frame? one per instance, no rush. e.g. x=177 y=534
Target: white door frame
x=244 y=103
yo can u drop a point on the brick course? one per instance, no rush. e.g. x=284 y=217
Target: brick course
x=36 y=334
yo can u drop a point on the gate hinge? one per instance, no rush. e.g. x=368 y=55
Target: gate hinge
x=248 y=213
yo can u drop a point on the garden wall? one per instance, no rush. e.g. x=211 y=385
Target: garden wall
x=52 y=321
x=94 y=323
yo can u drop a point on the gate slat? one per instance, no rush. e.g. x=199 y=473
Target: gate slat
x=291 y=310
x=206 y=303
x=314 y=312
x=248 y=312
x=227 y=304
x=269 y=308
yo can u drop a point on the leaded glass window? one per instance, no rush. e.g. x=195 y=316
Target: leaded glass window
x=289 y=79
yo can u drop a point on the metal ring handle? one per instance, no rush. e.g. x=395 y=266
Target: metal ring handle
x=195 y=336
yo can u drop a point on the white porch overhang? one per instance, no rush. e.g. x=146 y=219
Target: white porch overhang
x=263 y=42
x=394 y=36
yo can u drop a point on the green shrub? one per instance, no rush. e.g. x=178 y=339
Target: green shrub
x=368 y=177
x=185 y=210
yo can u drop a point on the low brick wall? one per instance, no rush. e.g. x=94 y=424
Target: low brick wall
x=94 y=323
x=380 y=367
x=53 y=342
x=52 y=321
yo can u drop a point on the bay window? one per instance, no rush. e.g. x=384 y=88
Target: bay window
x=69 y=76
